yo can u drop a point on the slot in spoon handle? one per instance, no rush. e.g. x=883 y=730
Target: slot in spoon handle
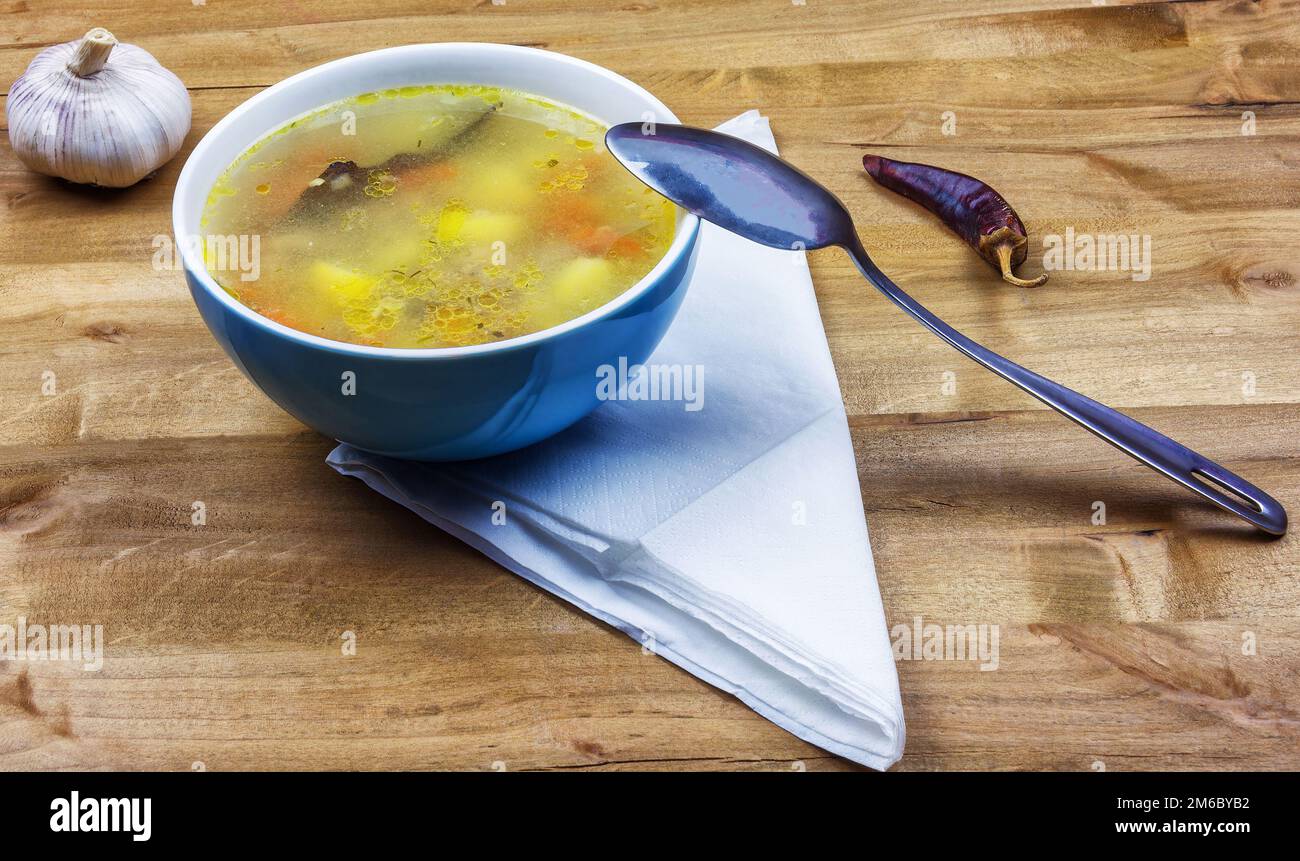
x=1175 y=461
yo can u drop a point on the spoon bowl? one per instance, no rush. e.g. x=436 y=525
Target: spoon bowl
x=732 y=183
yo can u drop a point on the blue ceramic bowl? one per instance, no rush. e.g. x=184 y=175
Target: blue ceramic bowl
x=440 y=404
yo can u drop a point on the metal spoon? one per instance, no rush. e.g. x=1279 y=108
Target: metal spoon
x=749 y=191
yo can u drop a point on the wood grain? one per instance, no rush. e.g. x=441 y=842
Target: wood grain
x=1166 y=637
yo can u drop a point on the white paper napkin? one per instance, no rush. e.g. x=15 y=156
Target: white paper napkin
x=729 y=537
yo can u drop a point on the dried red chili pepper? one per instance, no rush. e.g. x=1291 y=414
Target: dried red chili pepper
x=973 y=210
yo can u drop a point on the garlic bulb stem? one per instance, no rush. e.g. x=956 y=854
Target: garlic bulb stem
x=92 y=53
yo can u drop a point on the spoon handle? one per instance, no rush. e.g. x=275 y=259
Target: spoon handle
x=1180 y=464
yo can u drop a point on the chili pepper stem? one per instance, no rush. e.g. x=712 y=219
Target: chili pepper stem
x=1004 y=261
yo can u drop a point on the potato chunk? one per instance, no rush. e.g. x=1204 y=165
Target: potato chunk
x=484 y=228
x=340 y=285
x=582 y=281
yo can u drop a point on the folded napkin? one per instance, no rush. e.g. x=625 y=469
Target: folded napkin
x=724 y=532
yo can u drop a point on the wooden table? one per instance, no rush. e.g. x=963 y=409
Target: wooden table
x=1165 y=637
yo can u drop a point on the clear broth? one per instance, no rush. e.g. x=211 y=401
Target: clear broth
x=434 y=216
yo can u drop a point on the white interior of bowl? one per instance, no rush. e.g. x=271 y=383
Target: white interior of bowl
x=589 y=88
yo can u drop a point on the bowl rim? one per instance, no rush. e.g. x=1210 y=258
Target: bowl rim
x=683 y=243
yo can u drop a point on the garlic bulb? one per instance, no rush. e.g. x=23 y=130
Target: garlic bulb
x=86 y=116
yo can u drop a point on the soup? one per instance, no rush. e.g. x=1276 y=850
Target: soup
x=434 y=216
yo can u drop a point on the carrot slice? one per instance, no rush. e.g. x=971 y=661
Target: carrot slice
x=572 y=209
x=278 y=316
x=594 y=240
x=418 y=177
x=627 y=246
